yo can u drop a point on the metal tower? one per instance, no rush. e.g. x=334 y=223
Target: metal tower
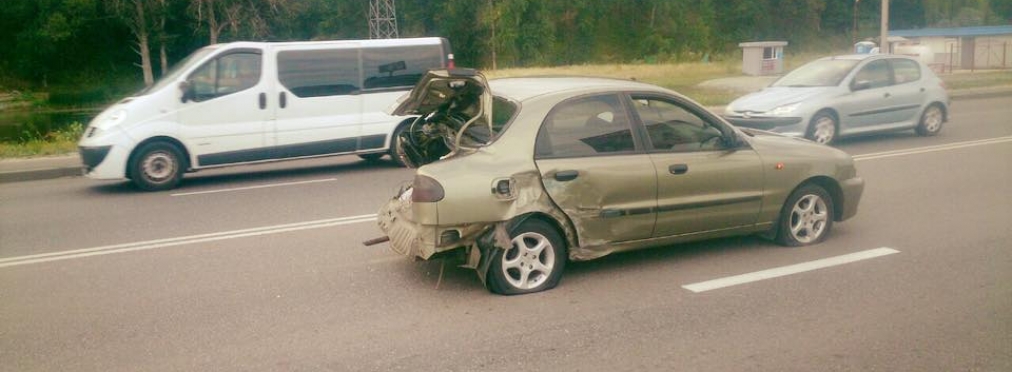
x=382 y=19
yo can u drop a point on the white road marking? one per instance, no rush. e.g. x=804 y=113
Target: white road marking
x=788 y=270
x=254 y=187
x=192 y=239
x=925 y=149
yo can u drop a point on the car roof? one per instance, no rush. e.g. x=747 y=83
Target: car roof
x=861 y=57
x=524 y=88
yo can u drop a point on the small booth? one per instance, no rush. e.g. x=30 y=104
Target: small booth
x=762 y=57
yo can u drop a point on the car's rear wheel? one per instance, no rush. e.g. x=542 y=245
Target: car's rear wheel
x=807 y=216
x=157 y=166
x=931 y=121
x=822 y=128
x=534 y=263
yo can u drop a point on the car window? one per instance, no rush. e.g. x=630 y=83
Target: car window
x=672 y=127
x=905 y=71
x=585 y=127
x=225 y=75
x=876 y=73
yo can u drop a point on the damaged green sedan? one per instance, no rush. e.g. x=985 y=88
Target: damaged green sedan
x=517 y=176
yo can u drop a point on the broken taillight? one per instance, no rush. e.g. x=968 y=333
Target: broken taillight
x=426 y=190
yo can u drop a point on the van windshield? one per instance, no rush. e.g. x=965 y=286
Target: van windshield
x=178 y=69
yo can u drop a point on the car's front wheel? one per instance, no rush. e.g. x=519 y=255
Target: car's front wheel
x=157 y=166
x=822 y=128
x=534 y=263
x=807 y=216
x=931 y=121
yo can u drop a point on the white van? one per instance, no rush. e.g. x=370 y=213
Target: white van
x=247 y=102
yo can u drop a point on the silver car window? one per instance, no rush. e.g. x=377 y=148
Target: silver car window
x=875 y=73
x=905 y=70
x=586 y=127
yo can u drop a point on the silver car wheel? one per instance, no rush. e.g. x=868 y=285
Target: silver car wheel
x=159 y=166
x=809 y=217
x=932 y=121
x=529 y=263
x=824 y=130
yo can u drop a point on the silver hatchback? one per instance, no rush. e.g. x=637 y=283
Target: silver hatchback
x=839 y=96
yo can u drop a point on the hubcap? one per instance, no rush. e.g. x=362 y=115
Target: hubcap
x=825 y=129
x=809 y=218
x=932 y=119
x=529 y=262
x=159 y=166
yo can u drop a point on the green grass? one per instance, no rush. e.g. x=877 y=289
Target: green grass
x=30 y=144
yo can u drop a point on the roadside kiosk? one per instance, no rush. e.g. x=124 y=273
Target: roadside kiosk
x=762 y=57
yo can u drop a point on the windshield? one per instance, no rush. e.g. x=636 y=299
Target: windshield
x=821 y=73
x=177 y=70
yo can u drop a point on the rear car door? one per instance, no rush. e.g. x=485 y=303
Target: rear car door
x=593 y=168
x=702 y=185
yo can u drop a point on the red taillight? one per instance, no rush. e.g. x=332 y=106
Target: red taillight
x=426 y=190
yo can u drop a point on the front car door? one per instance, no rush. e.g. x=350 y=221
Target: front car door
x=870 y=101
x=225 y=114
x=593 y=169
x=702 y=186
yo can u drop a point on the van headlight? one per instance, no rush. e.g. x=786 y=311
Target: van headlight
x=784 y=110
x=114 y=119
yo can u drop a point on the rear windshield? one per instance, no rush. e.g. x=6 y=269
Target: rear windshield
x=821 y=73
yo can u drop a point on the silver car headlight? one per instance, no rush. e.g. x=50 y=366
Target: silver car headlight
x=784 y=110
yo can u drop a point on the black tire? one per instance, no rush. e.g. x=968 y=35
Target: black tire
x=823 y=128
x=157 y=166
x=552 y=258
x=371 y=157
x=806 y=218
x=396 y=152
x=931 y=121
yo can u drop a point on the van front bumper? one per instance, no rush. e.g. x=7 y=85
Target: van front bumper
x=104 y=162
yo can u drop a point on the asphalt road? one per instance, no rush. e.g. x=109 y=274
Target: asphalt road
x=262 y=268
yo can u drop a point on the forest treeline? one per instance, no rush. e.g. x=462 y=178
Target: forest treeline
x=106 y=42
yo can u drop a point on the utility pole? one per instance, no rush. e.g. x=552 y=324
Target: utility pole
x=382 y=19
x=884 y=46
x=853 y=27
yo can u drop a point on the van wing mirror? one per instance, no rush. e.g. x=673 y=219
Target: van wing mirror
x=860 y=85
x=186 y=88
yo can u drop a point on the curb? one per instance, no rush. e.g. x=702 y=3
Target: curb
x=34 y=169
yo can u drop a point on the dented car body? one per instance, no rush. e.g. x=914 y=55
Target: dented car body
x=516 y=176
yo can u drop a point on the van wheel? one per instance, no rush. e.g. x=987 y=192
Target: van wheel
x=806 y=217
x=931 y=121
x=156 y=166
x=396 y=145
x=371 y=157
x=534 y=263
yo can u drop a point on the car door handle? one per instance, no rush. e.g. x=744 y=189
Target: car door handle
x=282 y=100
x=263 y=101
x=887 y=95
x=566 y=175
x=678 y=169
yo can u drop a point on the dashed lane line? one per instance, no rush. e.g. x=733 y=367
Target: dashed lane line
x=710 y=285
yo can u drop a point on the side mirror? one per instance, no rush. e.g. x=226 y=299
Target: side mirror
x=185 y=87
x=860 y=85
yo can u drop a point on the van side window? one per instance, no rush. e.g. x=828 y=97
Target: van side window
x=398 y=67
x=225 y=75
x=319 y=73
x=585 y=127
